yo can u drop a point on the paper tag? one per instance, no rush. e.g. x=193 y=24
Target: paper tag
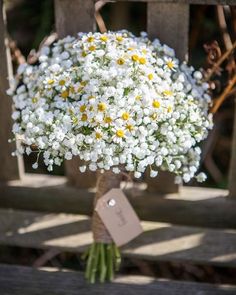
x=118 y=216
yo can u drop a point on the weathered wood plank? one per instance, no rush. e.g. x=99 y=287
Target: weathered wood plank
x=159 y=242
x=168 y=22
x=203 y=2
x=11 y=167
x=14 y=279
x=163 y=184
x=78 y=179
x=190 y=207
x=73 y=16
x=232 y=170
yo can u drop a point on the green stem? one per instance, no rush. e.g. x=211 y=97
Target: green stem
x=117 y=257
x=85 y=254
x=103 y=267
x=102 y=261
x=94 y=265
x=89 y=262
x=110 y=264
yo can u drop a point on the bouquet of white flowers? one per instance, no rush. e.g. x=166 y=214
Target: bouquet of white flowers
x=115 y=100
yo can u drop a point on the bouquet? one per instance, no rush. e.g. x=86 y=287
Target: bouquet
x=119 y=102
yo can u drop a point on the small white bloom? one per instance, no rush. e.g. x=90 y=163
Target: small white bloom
x=35 y=165
x=82 y=168
x=201 y=177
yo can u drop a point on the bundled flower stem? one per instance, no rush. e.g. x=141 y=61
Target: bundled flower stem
x=103 y=257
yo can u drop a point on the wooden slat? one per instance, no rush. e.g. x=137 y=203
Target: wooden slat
x=163 y=184
x=203 y=2
x=159 y=242
x=191 y=207
x=11 y=167
x=15 y=279
x=168 y=22
x=232 y=170
x=73 y=16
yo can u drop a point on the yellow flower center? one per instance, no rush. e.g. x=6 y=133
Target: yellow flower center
x=71 y=112
x=84 y=117
x=169 y=109
x=150 y=76
x=102 y=106
x=80 y=88
x=82 y=108
x=138 y=97
x=135 y=57
x=125 y=116
x=156 y=104
x=50 y=81
x=98 y=135
x=34 y=100
x=154 y=116
x=92 y=48
x=91 y=97
x=120 y=61
x=108 y=120
x=65 y=94
x=104 y=38
x=142 y=60
x=72 y=89
x=83 y=83
x=119 y=38
x=144 y=51
x=62 y=82
x=170 y=64
x=83 y=53
x=90 y=39
x=129 y=127
x=120 y=133
x=167 y=92
x=74 y=120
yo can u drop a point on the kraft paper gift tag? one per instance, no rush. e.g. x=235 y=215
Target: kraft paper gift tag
x=118 y=217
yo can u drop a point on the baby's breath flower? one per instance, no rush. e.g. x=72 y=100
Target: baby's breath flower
x=112 y=99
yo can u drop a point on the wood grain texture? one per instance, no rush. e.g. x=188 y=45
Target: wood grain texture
x=170 y=23
x=203 y=207
x=163 y=184
x=11 y=167
x=232 y=170
x=15 y=279
x=76 y=178
x=73 y=16
x=159 y=242
x=203 y=2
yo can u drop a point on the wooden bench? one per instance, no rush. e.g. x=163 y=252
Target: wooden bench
x=159 y=242
x=203 y=207
x=19 y=280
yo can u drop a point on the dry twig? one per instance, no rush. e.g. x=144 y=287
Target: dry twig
x=223 y=96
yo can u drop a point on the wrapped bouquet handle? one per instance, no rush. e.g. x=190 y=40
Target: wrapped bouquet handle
x=103 y=256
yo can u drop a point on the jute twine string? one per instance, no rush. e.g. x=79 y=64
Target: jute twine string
x=105 y=182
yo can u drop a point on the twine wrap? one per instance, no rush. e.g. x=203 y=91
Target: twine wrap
x=105 y=182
